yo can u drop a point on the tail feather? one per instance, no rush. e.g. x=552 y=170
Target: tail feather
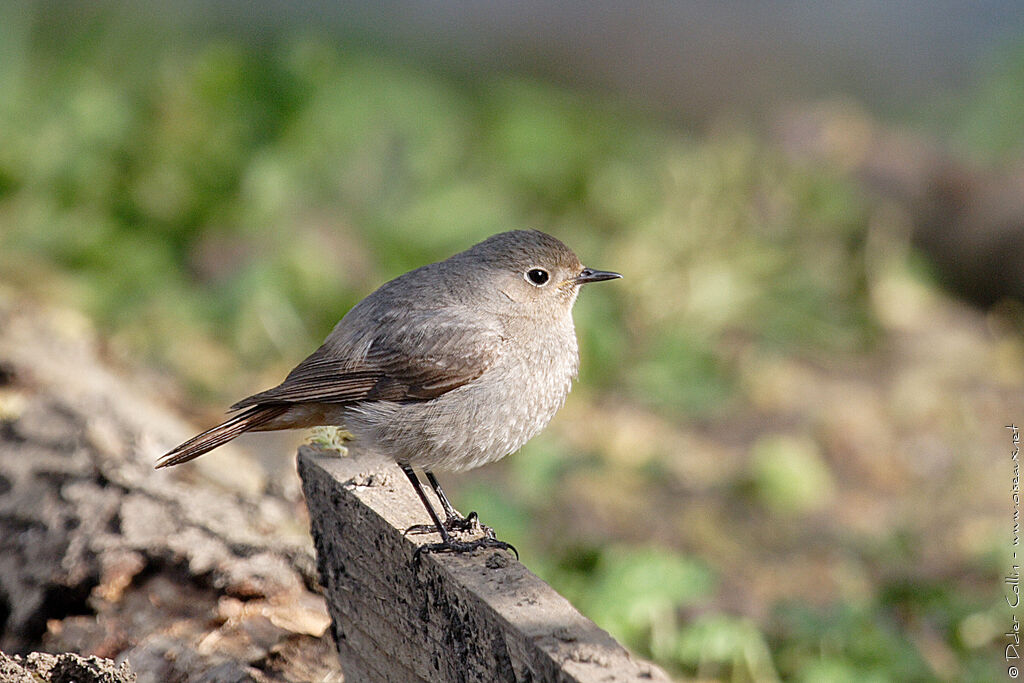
x=253 y=418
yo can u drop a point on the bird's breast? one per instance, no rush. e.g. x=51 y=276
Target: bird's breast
x=483 y=420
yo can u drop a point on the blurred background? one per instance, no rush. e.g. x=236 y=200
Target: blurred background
x=786 y=455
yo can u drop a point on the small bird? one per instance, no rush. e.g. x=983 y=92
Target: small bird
x=451 y=366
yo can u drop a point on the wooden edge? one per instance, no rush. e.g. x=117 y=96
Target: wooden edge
x=474 y=617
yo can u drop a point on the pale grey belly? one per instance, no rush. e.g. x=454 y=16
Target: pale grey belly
x=467 y=427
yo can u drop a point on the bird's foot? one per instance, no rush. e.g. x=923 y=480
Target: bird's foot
x=469 y=523
x=450 y=545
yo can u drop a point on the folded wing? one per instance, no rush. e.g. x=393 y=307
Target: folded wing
x=412 y=357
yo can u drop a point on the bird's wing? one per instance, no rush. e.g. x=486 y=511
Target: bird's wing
x=409 y=357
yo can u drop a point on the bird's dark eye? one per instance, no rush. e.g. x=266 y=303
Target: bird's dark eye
x=537 y=276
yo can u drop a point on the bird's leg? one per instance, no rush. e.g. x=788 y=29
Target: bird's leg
x=438 y=526
x=448 y=544
x=453 y=520
x=451 y=516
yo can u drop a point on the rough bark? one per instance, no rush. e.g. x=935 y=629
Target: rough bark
x=64 y=668
x=192 y=575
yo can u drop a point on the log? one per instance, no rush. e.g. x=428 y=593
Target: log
x=198 y=574
x=441 y=617
x=64 y=668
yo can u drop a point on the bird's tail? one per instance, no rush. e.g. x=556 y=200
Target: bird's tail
x=253 y=418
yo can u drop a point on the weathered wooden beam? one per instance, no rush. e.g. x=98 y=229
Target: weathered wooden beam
x=476 y=617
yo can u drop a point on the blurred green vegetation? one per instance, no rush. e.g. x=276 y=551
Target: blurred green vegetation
x=216 y=207
x=989 y=122
x=248 y=198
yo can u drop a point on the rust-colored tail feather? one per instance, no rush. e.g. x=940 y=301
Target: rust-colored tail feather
x=255 y=417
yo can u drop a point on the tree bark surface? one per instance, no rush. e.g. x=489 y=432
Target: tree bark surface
x=198 y=574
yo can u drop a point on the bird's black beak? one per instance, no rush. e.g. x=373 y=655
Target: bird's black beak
x=591 y=275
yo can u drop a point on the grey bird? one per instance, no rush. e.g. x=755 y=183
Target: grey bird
x=451 y=366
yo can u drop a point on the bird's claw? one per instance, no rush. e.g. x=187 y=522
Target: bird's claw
x=470 y=523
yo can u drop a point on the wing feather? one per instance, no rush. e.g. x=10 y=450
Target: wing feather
x=410 y=357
